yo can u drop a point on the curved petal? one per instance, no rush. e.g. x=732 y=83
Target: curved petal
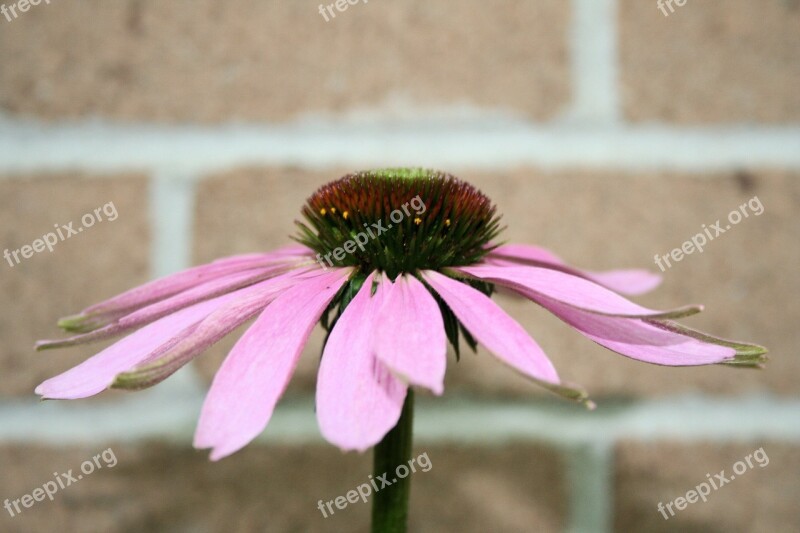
x=253 y=377
x=410 y=337
x=358 y=399
x=248 y=303
x=633 y=281
x=628 y=281
x=98 y=372
x=526 y=252
x=144 y=315
x=499 y=333
x=537 y=282
x=616 y=323
x=172 y=284
x=748 y=355
x=639 y=340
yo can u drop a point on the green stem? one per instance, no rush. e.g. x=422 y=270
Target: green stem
x=390 y=505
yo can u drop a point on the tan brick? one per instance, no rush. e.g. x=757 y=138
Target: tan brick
x=101 y=261
x=276 y=488
x=248 y=60
x=607 y=220
x=760 y=499
x=712 y=61
x=595 y=221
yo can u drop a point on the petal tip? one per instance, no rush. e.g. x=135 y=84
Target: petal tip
x=43 y=345
x=80 y=323
x=749 y=356
x=217 y=451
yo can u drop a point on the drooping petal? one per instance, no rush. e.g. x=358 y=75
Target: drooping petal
x=525 y=253
x=148 y=313
x=253 y=377
x=153 y=291
x=97 y=373
x=639 y=333
x=409 y=334
x=536 y=282
x=633 y=281
x=358 y=399
x=499 y=333
x=641 y=340
x=627 y=281
x=248 y=302
x=748 y=355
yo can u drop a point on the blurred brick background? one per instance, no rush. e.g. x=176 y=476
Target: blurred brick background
x=606 y=130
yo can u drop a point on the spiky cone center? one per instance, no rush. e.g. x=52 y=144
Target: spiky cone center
x=399 y=221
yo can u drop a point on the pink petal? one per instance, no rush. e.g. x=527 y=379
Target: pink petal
x=97 y=373
x=410 y=337
x=748 y=355
x=253 y=377
x=639 y=340
x=630 y=281
x=536 y=282
x=144 y=315
x=526 y=252
x=493 y=328
x=614 y=322
x=358 y=399
x=248 y=302
x=180 y=281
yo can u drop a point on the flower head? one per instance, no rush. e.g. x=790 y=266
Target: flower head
x=412 y=219
x=394 y=264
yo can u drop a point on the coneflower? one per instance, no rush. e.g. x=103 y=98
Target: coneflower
x=395 y=264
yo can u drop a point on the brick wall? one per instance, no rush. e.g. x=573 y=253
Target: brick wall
x=604 y=129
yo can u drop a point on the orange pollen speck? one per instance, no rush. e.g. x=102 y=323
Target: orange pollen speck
x=322 y=211
x=345 y=215
x=417 y=221
x=447 y=222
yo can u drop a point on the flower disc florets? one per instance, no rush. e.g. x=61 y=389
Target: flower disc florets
x=399 y=220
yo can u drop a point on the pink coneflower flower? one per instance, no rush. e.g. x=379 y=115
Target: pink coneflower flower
x=401 y=262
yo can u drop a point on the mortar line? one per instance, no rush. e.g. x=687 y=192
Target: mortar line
x=590 y=469
x=171 y=414
x=593 y=62
x=196 y=151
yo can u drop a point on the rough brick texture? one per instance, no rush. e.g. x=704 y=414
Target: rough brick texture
x=104 y=259
x=763 y=498
x=716 y=61
x=158 y=488
x=247 y=60
x=420 y=67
